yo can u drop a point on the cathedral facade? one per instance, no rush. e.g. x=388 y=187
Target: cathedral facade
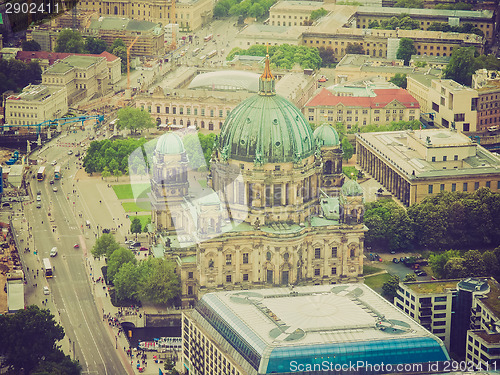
x=277 y=211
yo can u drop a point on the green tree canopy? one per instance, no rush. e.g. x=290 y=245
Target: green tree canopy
x=318 y=13
x=126 y=281
x=159 y=283
x=105 y=246
x=410 y=4
x=410 y=277
x=347 y=149
x=462 y=65
x=95 y=46
x=70 y=41
x=135 y=226
x=389 y=226
x=437 y=261
x=15 y=74
x=119 y=257
x=29 y=337
x=30 y=45
x=390 y=287
x=117 y=43
x=327 y=56
x=355 y=49
x=121 y=52
x=406 y=50
x=134 y=119
x=399 y=80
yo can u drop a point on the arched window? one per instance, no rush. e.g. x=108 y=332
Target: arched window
x=116 y=10
x=188 y=123
x=327 y=169
x=158 y=121
x=380 y=53
x=210 y=125
x=181 y=122
x=203 y=124
x=220 y=124
x=353 y=253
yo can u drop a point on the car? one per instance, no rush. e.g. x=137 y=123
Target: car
x=76 y=246
x=51 y=182
x=53 y=252
x=54 y=162
x=70 y=152
x=39 y=192
x=143 y=249
x=54 y=189
x=129 y=241
x=46 y=290
x=132 y=247
x=422 y=273
x=323 y=79
x=38 y=198
x=493 y=128
x=39 y=205
x=77 y=153
x=136 y=244
x=6 y=205
x=393 y=252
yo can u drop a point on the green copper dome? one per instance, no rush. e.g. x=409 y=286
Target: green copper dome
x=351 y=188
x=326 y=135
x=266 y=129
x=169 y=143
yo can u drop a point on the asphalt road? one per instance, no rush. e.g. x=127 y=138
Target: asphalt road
x=72 y=292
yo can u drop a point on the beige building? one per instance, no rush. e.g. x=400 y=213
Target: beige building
x=483 y=20
x=450 y=103
x=360 y=104
x=430 y=304
x=205 y=100
x=35 y=105
x=190 y=14
x=149 y=35
x=354 y=67
x=84 y=77
x=415 y=164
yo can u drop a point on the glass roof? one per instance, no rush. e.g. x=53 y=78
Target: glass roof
x=226 y=80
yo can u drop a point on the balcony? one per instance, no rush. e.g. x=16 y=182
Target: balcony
x=426 y=321
x=424 y=313
x=425 y=305
x=474 y=318
x=475 y=325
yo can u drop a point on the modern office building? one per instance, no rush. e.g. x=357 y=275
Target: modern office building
x=415 y=164
x=430 y=304
x=283 y=330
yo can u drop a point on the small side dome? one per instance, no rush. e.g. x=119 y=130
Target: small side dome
x=326 y=135
x=351 y=188
x=169 y=144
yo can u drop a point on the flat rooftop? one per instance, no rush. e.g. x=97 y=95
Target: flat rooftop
x=394 y=147
x=491 y=338
x=432 y=287
x=493 y=299
x=467 y=14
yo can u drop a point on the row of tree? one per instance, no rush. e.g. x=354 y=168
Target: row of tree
x=242 y=8
x=403 y=22
x=284 y=56
x=456 y=220
x=28 y=344
x=153 y=279
x=454 y=264
x=466 y=28
x=15 y=74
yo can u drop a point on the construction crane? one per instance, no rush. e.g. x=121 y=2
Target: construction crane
x=173 y=46
x=129 y=48
x=60 y=121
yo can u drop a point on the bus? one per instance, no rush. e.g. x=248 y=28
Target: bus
x=212 y=54
x=208 y=38
x=57 y=172
x=40 y=174
x=47 y=267
x=196 y=51
x=203 y=58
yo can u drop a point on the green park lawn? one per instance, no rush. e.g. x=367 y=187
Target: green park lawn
x=376 y=282
x=136 y=207
x=125 y=191
x=143 y=218
x=368 y=270
x=203 y=183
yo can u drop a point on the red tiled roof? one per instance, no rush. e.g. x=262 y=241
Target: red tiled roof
x=384 y=96
x=27 y=56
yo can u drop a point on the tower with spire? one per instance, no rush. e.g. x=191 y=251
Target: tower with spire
x=267 y=80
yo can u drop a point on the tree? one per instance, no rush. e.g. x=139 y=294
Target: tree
x=95 y=46
x=121 y=52
x=347 y=149
x=30 y=45
x=399 y=80
x=406 y=50
x=256 y=10
x=135 y=226
x=373 y=24
x=159 y=283
x=474 y=263
x=70 y=41
x=28 y=337
x=455 y=268
x=318 y=13
x=410 y=4
x=15 y=74
x=117 y=173
x=134 y=119
x=390 y=287
x=119 y=257
x=327 y=56
x=117 y=43
x=355 y=49
x=146 y=224
x=126 y=282
x=461 y=66
x=491 y=265
x=437 y=261
x=105 y=174
x=410 y=277
x=105 y=245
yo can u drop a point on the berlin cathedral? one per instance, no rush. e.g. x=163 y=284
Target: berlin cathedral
x=276 y=211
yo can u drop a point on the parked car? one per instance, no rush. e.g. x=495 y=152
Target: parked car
x=51 y=182
x=143 y=249
x=70 y=152
x=136 y=244
x=54 y=189
x=39 y=198
x=39 y=192
x=46 y=290
x=38 y=204
x=54 y=162
x=53 y=252
x=76 y=246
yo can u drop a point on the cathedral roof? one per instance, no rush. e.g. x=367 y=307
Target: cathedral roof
x=169 y=143
x=266 y=128
x=351 y=188
x=326 y=135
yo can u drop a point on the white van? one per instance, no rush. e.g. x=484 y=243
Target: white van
x=53 y=252
x=87 y=223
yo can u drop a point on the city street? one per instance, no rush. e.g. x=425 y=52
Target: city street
x=73 y=295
